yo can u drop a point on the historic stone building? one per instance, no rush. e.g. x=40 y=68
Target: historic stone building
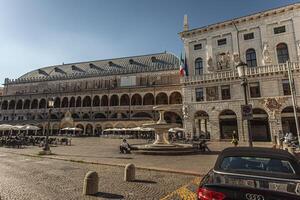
x=1 y=91
x=95 y=95
x=212 y=92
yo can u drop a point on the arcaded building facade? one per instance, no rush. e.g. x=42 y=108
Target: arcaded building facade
x=95 y=95
x=212 y=92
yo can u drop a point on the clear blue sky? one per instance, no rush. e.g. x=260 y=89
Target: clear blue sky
x=38 y=33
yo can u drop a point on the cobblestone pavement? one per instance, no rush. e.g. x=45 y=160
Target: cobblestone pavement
x=31 y=178
x=106 y=151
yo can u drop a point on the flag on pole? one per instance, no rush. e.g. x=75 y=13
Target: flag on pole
x=181 y=67
x=186 y=69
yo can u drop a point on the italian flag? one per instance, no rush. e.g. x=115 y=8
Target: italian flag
x=181 y=68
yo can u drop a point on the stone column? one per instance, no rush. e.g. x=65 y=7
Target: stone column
x=215 y=126
x=197 y=127
x=209 y=53
x=203 y=126
x=296 y=25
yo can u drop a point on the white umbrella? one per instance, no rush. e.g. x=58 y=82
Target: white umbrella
x=176 y=129
x=17 y=127
x=6 y=127
x=30 y=127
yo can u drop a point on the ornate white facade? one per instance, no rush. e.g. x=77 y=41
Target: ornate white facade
x=212 y=92
x=95 y=95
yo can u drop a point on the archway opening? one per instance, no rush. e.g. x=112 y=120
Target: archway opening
x=288 y=120
x=228 y=124
x=260 y=125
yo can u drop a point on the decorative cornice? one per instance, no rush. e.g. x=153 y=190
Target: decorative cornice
x=240 y=20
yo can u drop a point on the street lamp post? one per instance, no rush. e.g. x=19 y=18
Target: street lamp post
x=50 y=106
x=242 y=75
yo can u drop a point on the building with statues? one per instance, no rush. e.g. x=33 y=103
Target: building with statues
x=121 y=92
x=94 y=95
x=212 y=92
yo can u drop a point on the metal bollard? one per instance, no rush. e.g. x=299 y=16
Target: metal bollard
x=129 y=173
x=90 y=184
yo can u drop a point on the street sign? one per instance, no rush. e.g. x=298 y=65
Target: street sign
x=247 y=112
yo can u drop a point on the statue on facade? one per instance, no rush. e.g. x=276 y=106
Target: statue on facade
x=210 y=64
x=223 y=60
x=185 y=112
x=236 y=58
x=298 y=48
x=266 y=54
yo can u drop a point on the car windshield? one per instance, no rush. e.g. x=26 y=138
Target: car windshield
x=257 y=164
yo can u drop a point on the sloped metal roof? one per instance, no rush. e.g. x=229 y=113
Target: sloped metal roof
x=135 y=64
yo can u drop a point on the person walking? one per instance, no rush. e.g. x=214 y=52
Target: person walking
x=234 y=140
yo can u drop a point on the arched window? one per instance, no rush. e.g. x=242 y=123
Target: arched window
x=251 y=58
x=282 y=53
x=198 y=66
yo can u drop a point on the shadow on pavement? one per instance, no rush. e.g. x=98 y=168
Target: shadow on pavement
x=108 y=195
x=144 y=181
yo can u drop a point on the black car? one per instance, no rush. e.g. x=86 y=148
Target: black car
x=245 y=173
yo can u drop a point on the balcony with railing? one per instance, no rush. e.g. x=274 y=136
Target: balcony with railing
x=250 y=72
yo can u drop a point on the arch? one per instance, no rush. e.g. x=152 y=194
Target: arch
x=259 y=125
x=148 y=99
x=161 y=98
x=55 y=129
x=104 y=100
x=26 y=104
x=132 y=125
x=34 y=104
x=75 y=116
x=125 y=100
x=96 y=101
x=53 y=116
x=108 y=125
x=172 y=117
x=136 y=100
x=282 y=53
x=114 y=100
x=201 y=124
x=57 y=102
x=80 y=126
x=288 y=120
x=89 y=129
x=19 y=104
x=4 y=105
x=42 y=103
x=87 y=101
x=78 y=102
x=99 y=116
x=85 y=116
x=198 y=66
x=201 y=114
x=175 y=98
x=228 y=124
x=65 y=102
x=119 y=125
x=72 y=102
x=12 y=104
x=142 y=115
x=251 y=58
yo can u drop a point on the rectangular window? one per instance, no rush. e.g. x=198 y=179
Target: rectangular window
x=248 y=36
x=254 y=90
x=280 y=29
x=286 y=87
x=225 y=90
x=197 y=46
x=212 y=93
x=199 y=94
x=222 y=42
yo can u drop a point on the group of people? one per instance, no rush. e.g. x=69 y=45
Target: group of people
x=19 y=141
